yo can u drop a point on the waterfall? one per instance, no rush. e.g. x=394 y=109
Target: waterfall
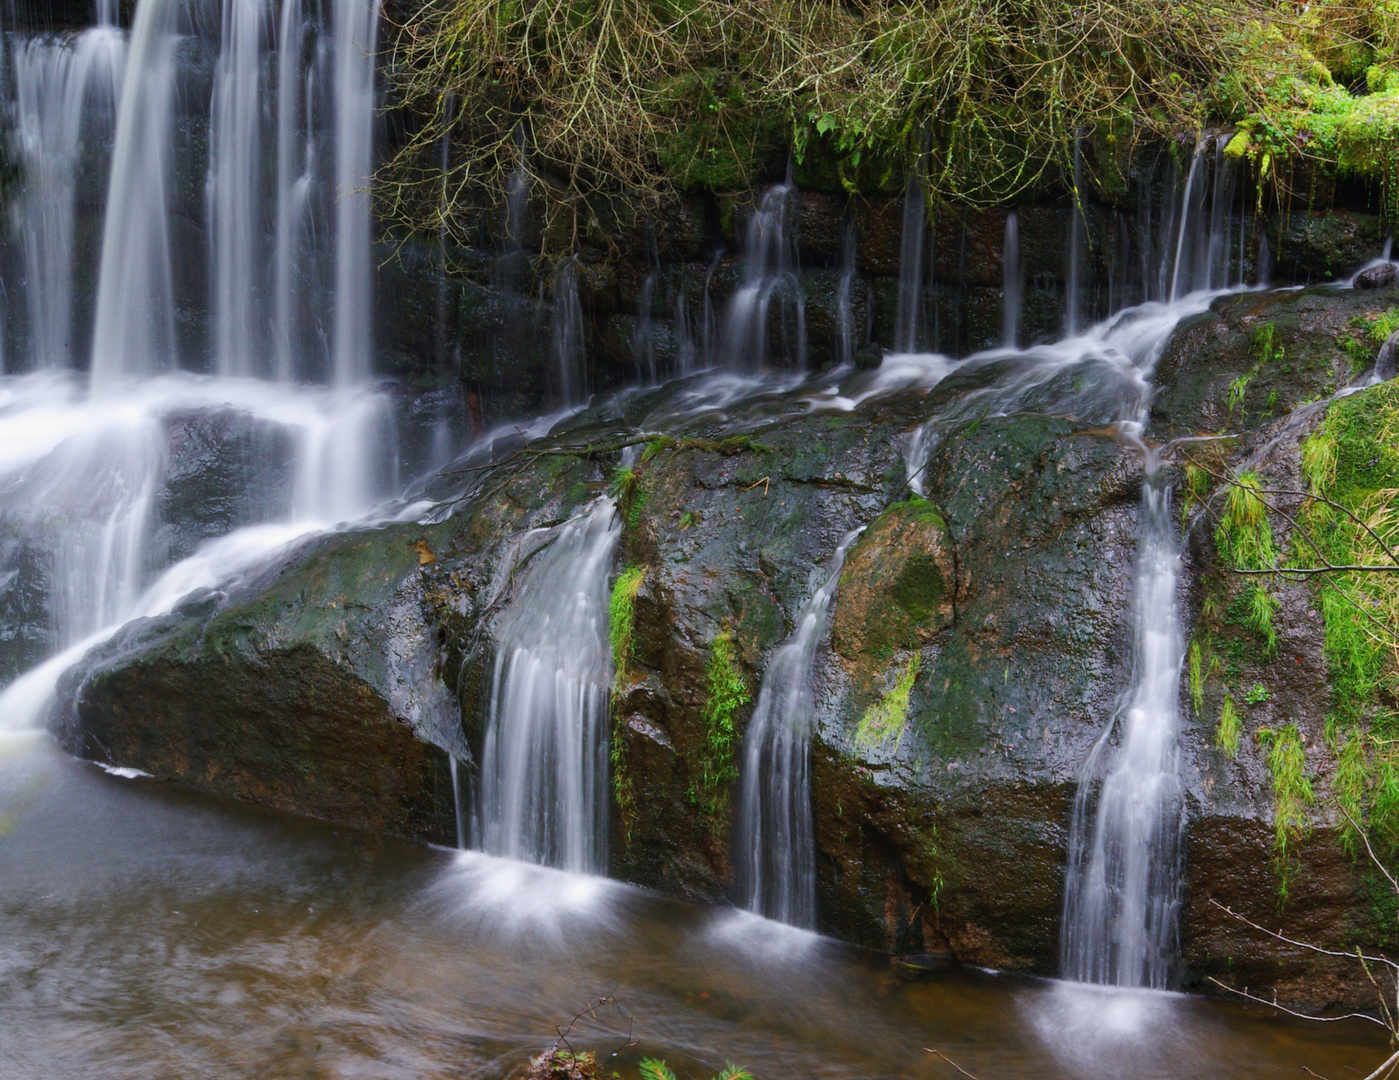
x=569 y=346
x=234 y=192
x=1122 y=893
x=543 y=786
x=134 y=332
x=296 y=161
x=356 y=24
x=908 y=328
x=1074 y=283
x=1012 y=282
x=846 y=343
x=775 y=847
x=770 y=273
x=59 y=84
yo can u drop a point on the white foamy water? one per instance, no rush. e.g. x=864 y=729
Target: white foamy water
x=775 y=843
x=543 y=783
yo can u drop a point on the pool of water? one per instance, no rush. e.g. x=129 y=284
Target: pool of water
x=149 y=932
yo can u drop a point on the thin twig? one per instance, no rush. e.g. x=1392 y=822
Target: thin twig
x=1279 y=936
x=947 y=1059
x=1294 y=1012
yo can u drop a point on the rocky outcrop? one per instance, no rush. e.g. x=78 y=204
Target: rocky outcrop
x=978 y=643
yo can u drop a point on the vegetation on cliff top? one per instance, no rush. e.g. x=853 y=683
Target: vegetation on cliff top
x=644 y=96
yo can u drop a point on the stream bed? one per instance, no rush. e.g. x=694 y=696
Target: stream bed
x=149 y=932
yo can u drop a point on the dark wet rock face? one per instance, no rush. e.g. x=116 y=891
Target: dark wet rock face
x=978 y=644
x=1376 y=277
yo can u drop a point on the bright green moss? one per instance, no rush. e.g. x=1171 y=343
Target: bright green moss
x=886 y=721
x=714 y=769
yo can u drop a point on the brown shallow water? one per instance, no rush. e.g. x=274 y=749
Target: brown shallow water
x=147 y=932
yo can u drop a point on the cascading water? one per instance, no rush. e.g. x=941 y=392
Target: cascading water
x=234 y=192
x=909 y=328
x=134 y=334
x=356 y=27
x=1122 y=893
x=543 y=783
x=1123 y=877
x=774 y=846
x=750 y=340
x=1012 y=282
x=62 y=87
x=90 y=480
x=569 y=346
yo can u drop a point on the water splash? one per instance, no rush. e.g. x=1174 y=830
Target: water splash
x=774 y=846
x=543 y=784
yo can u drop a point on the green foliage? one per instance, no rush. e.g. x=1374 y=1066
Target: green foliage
x=1195 y=663
x=614 y=97
x=1226 y=736
x=688 y=520
x=621 y=611
x=713 y=768
x=1256 y=694
x=623 y=487
x=887 y=720
x=1384 y=325
x=1196 y=488
x=1244 y=537
x=1292 y=795
x=655 y=1069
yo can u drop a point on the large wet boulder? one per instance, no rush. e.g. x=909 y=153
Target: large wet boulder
x=1255 y=356
x=979 y=643
x=309 y=688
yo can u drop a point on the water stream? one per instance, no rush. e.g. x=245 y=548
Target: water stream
x=774 y=842
x=208 y=401
x=543 y=787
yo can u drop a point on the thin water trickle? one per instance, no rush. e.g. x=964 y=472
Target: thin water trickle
x=569 y=345
x=908 y=317
x=774 y=844
x=765 y=320
x=1012 y=282
x=543 y=786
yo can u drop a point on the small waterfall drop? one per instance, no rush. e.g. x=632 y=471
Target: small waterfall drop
x=1073 y=285
x=1012 y=282
x=846 y=340
x=750 y=340
x=61 y=87
x=543 y=786
x=1122 y=893
x=908 y=317
x=775 y=846
x=134 y=333
x=235 y=200
x=356 y=24
x=567 y=341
